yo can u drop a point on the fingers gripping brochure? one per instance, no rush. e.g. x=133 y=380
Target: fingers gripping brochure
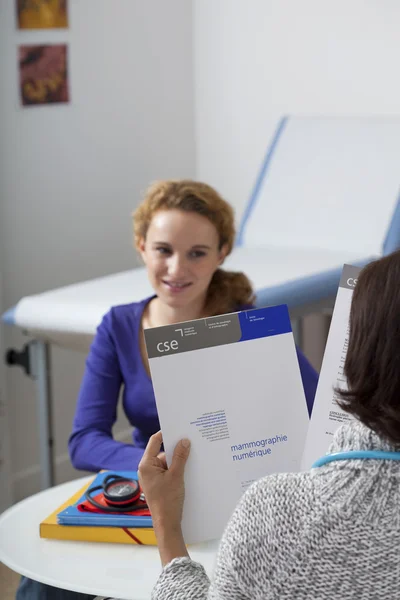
x=232 y=385
x=327 y=416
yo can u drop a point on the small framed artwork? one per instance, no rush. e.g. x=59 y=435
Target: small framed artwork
x=43 y=74
x=42 y=14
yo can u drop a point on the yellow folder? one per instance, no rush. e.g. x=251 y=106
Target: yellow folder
x=49 y=528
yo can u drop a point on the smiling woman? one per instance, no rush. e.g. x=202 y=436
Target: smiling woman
x=181 y=252
x=183 y=231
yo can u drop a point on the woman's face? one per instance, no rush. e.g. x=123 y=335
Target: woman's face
x=181 y=252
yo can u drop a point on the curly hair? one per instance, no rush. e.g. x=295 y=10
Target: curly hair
x=372 y=364
x=228 y=290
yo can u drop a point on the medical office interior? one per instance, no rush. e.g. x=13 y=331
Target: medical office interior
x=199 y=89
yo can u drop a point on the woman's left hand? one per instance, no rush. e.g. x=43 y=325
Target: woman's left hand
x=164 y=488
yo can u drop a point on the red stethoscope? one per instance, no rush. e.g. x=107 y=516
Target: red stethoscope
x=121 y=494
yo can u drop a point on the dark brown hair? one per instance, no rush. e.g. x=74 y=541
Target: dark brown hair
x=372 y=364
x=228 y=290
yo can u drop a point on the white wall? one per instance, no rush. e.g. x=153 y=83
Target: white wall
x=258 y=60
x=70 y=175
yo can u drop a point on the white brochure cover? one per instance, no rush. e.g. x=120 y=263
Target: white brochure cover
x=232 y=385
x=326 y=415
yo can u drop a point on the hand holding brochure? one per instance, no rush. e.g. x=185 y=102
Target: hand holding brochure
x=232 y=385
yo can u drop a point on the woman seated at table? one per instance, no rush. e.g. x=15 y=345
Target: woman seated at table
x=183 y=231
x=331 y=533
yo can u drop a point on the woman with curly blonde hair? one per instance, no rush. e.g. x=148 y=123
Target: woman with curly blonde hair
x=183 y=231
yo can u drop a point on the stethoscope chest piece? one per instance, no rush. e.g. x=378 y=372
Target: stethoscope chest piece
x=118 y=491
x=121 y=494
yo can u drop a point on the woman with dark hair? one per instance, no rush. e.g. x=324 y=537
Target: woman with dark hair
x=331 y=533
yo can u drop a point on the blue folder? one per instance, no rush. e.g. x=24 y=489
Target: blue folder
x=73 y=516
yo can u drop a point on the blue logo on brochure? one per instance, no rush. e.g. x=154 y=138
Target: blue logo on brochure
x=264 y=322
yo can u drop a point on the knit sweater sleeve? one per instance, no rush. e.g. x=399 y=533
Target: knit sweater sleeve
x=184 y=578
x=258 y=550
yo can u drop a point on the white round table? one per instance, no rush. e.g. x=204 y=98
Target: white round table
x=116 y=570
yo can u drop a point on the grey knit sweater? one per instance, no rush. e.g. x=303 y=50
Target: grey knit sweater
x=331 y=533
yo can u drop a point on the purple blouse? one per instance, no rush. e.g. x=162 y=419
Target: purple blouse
x=115 y=362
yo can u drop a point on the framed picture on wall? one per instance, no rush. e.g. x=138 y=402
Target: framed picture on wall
x=42 y=14
x=43 y=74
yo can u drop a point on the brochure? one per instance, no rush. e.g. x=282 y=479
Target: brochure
x=232 y=385
x=326 y=415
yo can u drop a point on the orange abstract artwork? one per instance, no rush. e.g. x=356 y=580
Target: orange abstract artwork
x=43 y=74
x=42 y=14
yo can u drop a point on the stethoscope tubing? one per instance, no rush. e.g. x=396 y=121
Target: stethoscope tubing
x=356 y=455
